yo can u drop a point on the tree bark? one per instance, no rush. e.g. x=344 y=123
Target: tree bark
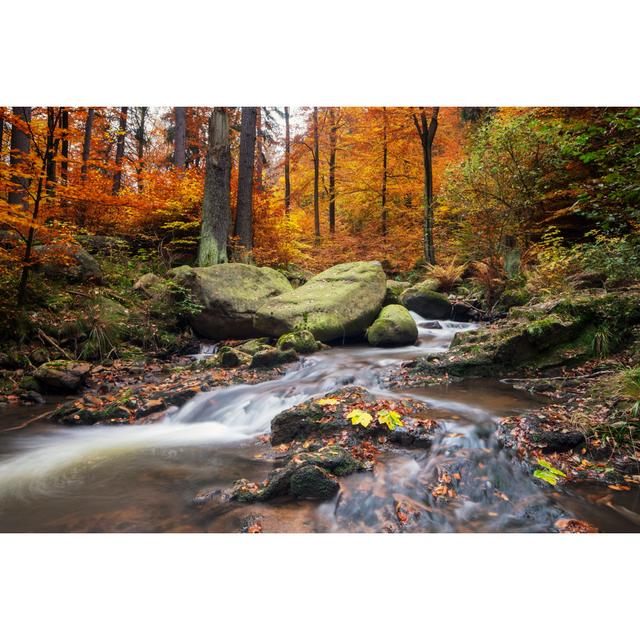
x=244 y=203
x=122 y=130
x=86 y=146
x=20 y=147
x=427 y=131
x=140 y=139
x=216 y=207
x=316 y=174
x=385 y=152
x=64 y=164
x=333 y=133
x=180 y=137
x=50 y=161
x=287 y=163
x=259 y=150
x=43 y=178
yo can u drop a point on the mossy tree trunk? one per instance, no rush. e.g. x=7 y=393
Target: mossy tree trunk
x=216 y=208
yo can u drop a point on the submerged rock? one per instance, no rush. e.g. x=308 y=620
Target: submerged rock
x=311 y=481
x=338 y=303
x=230 y=295
x=305 y=475
x=394 y=327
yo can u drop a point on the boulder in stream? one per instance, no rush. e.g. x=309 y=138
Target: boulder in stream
x=394 y=327
x=229 y=296
x=338 y=303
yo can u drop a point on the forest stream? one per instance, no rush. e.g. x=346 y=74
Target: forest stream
x=143 y=478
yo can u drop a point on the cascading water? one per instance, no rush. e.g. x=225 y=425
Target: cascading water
x=143 y=477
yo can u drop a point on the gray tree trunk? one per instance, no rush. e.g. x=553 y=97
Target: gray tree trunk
x=216 y=207
x=180 y=137
x=259 y=150
x=20 y=147
x=333 y=135
x=287 y=162
x=122 y=130
x=246 y=164
x=316 y=174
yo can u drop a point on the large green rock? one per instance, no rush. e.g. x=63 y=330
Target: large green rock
x=340 y=302
x=395 y=289
x=394 y=327
x=423 y=299
x=230 y=295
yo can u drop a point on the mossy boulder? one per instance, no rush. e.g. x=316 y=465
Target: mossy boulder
x=148 y=285
x=545 y=336
x=426 y=301
x=253 y=346
x=394 y=327
x=62 y=375
x=272 y=357
x=394 y=291
x=301 y=341
x=311 y=481
x=305 y=475
x=67 y=262
x=229 y=357
x=229 y=296
x=338 y=303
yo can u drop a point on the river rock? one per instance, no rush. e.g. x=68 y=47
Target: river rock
x=311 y=481
x=272 y=357
x=64 y=375
x=395 y=289
x=338 y=303
x=300 y=341
x=394 y=327
x=229 y=357
x=426 y=301
x=230 y=295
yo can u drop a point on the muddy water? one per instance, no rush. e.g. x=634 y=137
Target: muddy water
x=143 y=477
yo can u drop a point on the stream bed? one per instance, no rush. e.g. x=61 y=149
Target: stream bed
x=142 y=478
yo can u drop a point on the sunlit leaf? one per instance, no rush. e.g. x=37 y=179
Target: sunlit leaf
x=357 y=416
x=391 y=419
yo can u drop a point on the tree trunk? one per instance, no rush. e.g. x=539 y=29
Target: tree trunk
x=333 y=133
x=122 y=130
x=180 y=137
x=259 y=150
x=316 y=174
x=244 y=203
x=20 y=147
x=140 y=139
x=287 y=162
x=50 y=161
x=427 y=131
x=43 y=178
x=86 y=146
x=216 y=207
x=384 y=170
x=64 y=165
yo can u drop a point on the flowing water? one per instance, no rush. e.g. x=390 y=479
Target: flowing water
x=144 y=477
